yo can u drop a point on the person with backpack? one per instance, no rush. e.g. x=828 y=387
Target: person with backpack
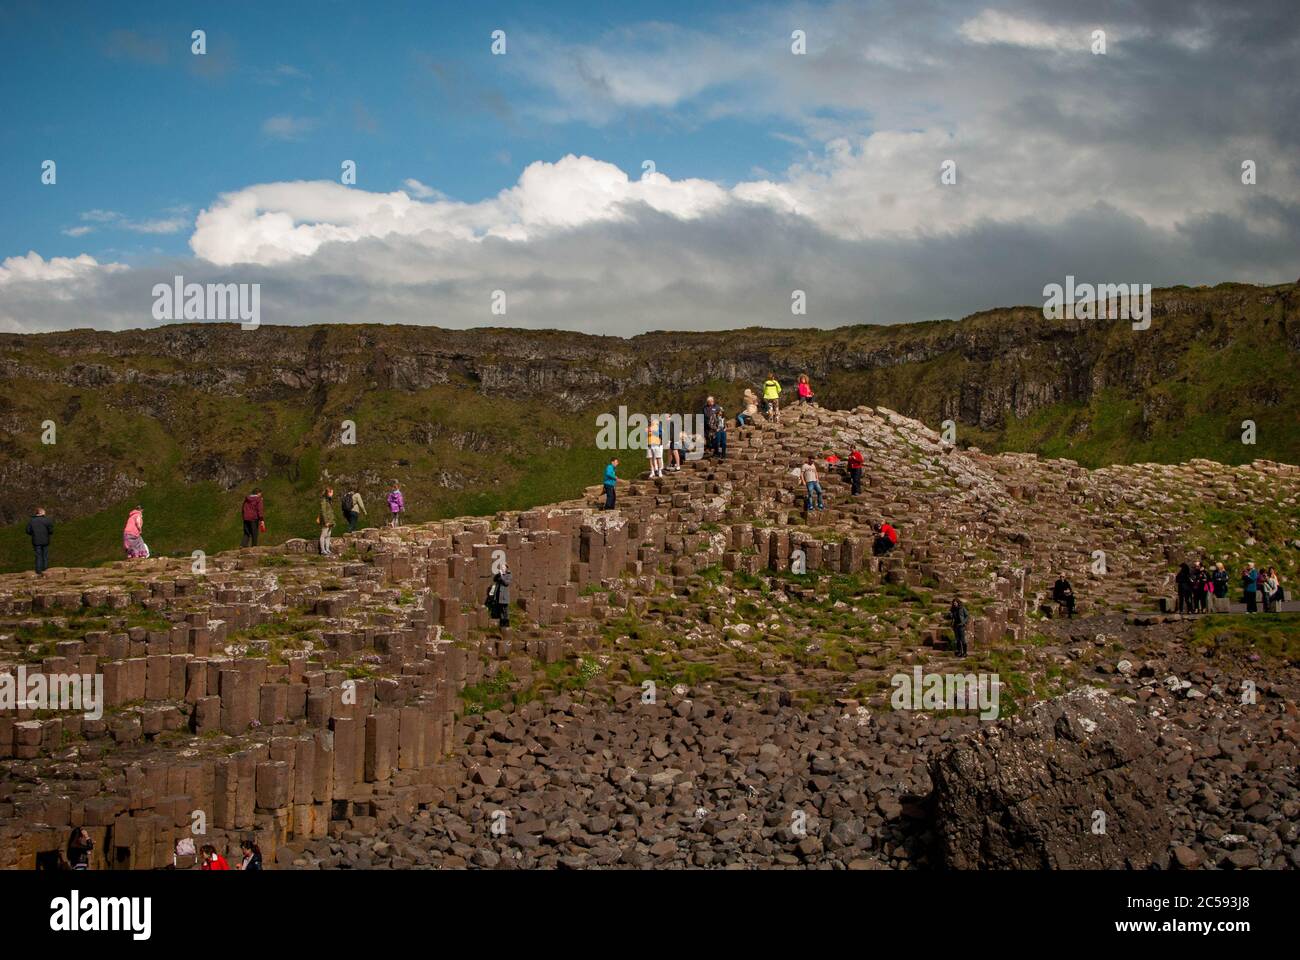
x=772 y=398
x=353 y=507
x=325 y=520
x=856 y=463
x=805 y=389
x=133 y=535
x=960 y=617
x=396 y=505
x=611 y=482
x=1250 y=586
x=254 y=514
x=808 y=474
x=40 y=528
x=886 y=539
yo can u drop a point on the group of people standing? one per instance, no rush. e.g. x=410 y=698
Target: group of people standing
x=1202 y=587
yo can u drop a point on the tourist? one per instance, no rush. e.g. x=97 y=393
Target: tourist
x=353 y=507
x=674 y=438
x=325 y=520
x=1219 y=583
x=710 y=411
x=79 y=847
x=655 y=448
x=254 y=517
x=856 y=463
x=1269 y=588
x=1199 y=582
x=808 y=473
x=133 y=535
x=886 y=539
x=749 y=410
x=500 y=595
x=1063 y=594
x=40 y=528
x=209 y=859
x=1250 y=586
x=772 y=398
x=1183 y=581
x=719 y=433
x=959 y=616
x=252 y=854
x=611 y=482
x=805 y=389
x=396 y=505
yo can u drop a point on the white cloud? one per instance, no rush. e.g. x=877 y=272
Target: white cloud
x=287 y=127
x=77 y=231
x=167 y=225
x=422 y=191
x=33 y=268
x=993 y=26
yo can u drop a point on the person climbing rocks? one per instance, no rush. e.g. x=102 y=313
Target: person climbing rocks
x=325 y=520
x=1250 y=586
x=611 y=482
x=1063 y=594
x=396 y=505
x=772 y=398
x=40 y=528
x=856 y=463
x=959 y=616
x=353 y=507
x=499 y=596
x=886 y=539
x=133 y=535
x=654 y=440
x=805 y=389
x=750 y=409
x=808 y=474
x=254 y=517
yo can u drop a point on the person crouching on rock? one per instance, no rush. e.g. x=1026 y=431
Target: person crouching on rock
x=133 y=535
x=1063 y=594
x=959 y=616
x=210 y=859
x=325 y=519
x=499 y=596
x=886 y=539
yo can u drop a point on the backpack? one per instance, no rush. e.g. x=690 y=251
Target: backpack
x=347 y=501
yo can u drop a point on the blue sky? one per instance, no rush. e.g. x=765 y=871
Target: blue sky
x=140 y=126
x=1103 y=141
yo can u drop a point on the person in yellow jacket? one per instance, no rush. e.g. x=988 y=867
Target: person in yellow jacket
x=772 y=397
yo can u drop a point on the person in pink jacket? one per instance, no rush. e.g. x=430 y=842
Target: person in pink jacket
x=133 y=535
x=395 y=505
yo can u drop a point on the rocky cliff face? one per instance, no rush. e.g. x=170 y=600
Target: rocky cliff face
x=213 y=403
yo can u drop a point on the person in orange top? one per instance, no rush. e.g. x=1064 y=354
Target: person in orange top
x=211 y=859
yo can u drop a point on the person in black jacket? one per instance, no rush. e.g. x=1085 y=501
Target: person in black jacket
x=499 y=596
x=960 y=617
x=40 y=528
x=79 y=847
x=1063 y=594
x=252 y=855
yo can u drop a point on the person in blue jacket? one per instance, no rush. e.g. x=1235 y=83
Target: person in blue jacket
x=1250 y=584
x=611 y=482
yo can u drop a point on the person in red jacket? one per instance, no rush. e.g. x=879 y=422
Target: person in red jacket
x=886 y=539
x=855 y=470
x=211 y=859
x=254 y=514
